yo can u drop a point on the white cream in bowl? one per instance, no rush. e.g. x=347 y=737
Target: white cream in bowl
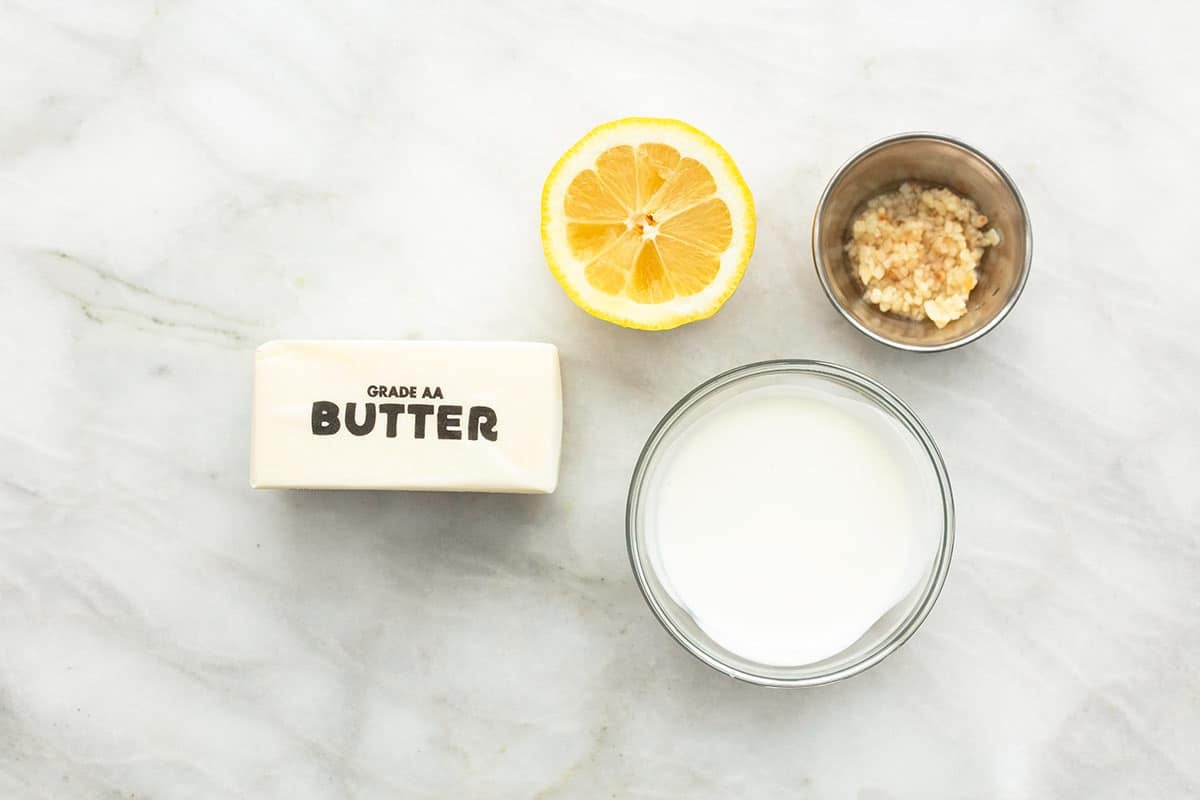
x=788 y=519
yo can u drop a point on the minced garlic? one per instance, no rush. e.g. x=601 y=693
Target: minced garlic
x=916 y=250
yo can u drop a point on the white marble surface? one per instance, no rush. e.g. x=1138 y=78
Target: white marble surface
x=181 y=181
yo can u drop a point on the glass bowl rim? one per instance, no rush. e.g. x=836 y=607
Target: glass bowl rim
x=878 y=395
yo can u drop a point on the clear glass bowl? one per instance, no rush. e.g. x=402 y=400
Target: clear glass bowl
x=891 y=631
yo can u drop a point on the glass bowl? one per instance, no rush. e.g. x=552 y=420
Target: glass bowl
x=890 y=631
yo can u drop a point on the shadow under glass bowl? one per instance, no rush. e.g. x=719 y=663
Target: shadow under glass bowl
x=891 y=630
x=942 y=161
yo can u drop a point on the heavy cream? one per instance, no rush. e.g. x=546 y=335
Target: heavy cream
x=787 y=520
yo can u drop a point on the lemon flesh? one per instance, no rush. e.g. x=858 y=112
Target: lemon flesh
x=647 y=223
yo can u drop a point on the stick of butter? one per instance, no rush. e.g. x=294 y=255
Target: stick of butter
x=440 y=416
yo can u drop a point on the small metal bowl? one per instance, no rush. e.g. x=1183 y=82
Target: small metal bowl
x=943 y=161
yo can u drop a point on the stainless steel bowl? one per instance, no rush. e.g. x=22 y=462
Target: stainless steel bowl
x=941 y=160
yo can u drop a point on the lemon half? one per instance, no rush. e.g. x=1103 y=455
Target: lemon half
x=647 y=223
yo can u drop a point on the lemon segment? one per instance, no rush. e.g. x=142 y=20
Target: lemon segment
x=647 y=223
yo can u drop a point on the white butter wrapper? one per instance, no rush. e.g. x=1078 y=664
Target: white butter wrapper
x=436 y=416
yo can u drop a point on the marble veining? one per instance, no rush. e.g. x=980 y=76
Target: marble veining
x=181 y=181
